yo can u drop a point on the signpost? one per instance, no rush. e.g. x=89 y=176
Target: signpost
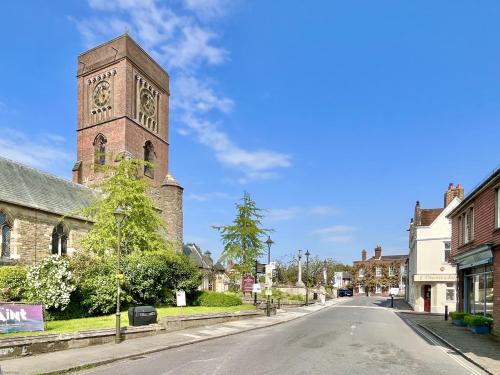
x=181 y=298
x=19 y=317
x=247 y=283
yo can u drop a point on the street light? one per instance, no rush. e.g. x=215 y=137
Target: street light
x=307 y=276
x=269 y=243
x=120 y=215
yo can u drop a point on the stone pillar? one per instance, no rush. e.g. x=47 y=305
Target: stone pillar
x=300 y=283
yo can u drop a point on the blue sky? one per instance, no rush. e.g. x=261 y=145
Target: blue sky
x=336 y=116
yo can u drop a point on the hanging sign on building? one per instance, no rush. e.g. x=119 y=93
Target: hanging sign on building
x=20 y=317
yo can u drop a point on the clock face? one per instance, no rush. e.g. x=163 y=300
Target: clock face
x=102 y=94
x=147 y=102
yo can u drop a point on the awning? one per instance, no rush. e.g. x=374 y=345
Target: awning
x=476 y=257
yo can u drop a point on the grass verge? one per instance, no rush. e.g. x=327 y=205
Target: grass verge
x=108 y=321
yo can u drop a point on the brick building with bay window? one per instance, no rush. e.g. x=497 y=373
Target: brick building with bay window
x=475 y=249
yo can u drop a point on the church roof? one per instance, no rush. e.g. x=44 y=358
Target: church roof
x=196 y=255
x=29 y=187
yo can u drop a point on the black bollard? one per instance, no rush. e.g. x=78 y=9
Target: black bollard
x=392 y=301
x=445 y=312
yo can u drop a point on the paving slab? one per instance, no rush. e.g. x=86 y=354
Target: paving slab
x=482 y=350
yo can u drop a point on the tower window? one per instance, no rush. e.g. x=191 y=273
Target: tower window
x=99 y=151
x=149 y=158
x=59 y=240
x=5 y=231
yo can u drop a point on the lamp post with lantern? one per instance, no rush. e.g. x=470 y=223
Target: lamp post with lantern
x=120 y=215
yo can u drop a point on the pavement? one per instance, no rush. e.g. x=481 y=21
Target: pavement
x=73 y=359
x=482 y=350
x=359 y=335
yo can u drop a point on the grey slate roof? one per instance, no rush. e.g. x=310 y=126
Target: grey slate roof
x=195 y=254
x=29 y=187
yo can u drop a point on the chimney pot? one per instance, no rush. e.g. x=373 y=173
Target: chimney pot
x=451 y=186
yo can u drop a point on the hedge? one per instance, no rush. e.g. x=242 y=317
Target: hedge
x=12 y=283
x=215 y=299
x=457 y=315
x=477 y=320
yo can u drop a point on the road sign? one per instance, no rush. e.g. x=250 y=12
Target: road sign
x=256 y=288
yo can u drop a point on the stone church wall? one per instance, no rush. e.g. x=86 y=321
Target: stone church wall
x=31 y=236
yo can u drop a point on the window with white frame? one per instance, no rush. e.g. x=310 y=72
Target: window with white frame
x=447 y=251
x=378 y=272
x=378 y=289
x=450 y=291
x=468 y=226
x=361 y=288
x=497 y=207
x=361 y=272
x=392 y=271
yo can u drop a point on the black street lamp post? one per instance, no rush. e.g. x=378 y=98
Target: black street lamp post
x=307 y=276
x=269 y=243
x=256 y=282
x=119 y=218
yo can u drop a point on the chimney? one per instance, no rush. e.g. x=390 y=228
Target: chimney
x=378 y=252
x=453 y=192
x=418 y=213
x=363 y=255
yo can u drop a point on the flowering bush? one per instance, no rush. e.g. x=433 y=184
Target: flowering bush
x=50 y=283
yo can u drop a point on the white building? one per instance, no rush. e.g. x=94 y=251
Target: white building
x=431 y=278
x=341 y=279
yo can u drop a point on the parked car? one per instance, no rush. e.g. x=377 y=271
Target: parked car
x=344 y=292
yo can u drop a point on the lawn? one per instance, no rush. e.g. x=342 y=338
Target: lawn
x=108 y=321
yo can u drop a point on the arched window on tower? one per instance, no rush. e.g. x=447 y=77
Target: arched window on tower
x=99 y=151
x=149 y=158
x=59 y=240
x=5 y=231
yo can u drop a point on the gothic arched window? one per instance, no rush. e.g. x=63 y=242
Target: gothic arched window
x=99 y=150
x=59 y=240
x=5 y=230
x=149 y=158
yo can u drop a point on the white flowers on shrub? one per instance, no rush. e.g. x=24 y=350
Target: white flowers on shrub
x=51 y=282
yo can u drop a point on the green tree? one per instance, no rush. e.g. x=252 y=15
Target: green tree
x=123 y=187
x=243 y=239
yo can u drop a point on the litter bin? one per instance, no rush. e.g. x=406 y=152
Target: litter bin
x=142 y=315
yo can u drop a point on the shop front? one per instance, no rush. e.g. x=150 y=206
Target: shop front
x=475 y=273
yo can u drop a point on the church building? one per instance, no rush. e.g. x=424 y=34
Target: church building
x=123 y=107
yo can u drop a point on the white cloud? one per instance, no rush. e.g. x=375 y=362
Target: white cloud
x=178 y=40
x=208 y=9
x=204 y=197
x=285 y=214
x=45 y=151
x=335 y=233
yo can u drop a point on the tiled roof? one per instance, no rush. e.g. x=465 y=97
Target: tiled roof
x=428 y=215
x=29 y=187
x=390 y=257
x=195 y=254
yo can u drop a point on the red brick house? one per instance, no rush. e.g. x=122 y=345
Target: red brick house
x=475 y=249
x=378 y=274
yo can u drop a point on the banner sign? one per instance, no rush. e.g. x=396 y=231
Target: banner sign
x=247 y=283
x=19 y=317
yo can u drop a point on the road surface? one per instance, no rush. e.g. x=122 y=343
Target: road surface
x=360 y=336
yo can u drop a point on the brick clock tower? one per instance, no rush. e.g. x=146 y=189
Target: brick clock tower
x=123 y=104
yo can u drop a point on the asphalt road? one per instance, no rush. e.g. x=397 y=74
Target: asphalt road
x=360 y=336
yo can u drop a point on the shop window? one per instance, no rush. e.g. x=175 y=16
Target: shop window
x=450 y=291
x=59 y=240
x=479 y=285
x=361 y=289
